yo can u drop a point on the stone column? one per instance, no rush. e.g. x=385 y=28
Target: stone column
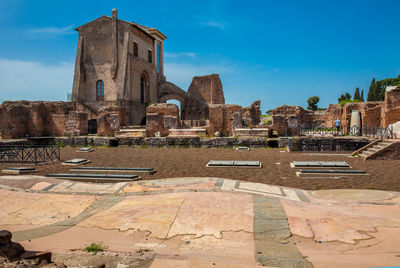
x=155 y=53
x=162 y=57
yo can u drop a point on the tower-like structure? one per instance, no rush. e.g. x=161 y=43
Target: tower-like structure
x=118 y=62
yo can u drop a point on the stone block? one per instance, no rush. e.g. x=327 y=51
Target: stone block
x=155 y=123
x=170 y=122
x=108 y=124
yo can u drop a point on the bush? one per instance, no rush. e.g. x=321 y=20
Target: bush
x=95 y=248
x=343 y=102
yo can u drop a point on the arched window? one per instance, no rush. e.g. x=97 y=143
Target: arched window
x=100 y=90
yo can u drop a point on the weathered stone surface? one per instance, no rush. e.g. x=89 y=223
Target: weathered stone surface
x=391 y=108
x=155 y=123
x=161 y=117
x=108 y=124
x=221 y=116
x=37 y=118
x=325 y=144
x=171 y=122
x=237 y=121
x=76 y=124
x=251 y=114
x=207 y=88
x=167 y=109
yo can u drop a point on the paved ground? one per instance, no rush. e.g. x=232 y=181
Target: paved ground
x=202 y=222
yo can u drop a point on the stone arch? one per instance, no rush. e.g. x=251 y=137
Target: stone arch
x=179 y=98
x=169 y=91
x=192 y=108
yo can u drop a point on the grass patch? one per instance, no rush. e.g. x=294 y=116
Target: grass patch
x=143 y=250
x=60 y=144
x=95 y=248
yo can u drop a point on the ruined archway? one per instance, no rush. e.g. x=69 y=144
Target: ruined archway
x=180 y=99
x=177 y=103
x=192 y=108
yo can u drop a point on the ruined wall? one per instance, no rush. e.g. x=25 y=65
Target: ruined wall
x=111 y=118
x=370 y=113
x=113 y=109
x=161 y=117
x=37 y=118
x=76 y=124
x=290 y=119
x=108 y=124
x=207 y=88
x=391 y=109
x=251 y=114
x=221 y=118
x=328 y=117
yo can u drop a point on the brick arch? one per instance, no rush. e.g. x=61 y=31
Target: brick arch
x=191 y=107
x=179 y=98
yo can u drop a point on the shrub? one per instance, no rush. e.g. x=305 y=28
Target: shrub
x=95 y=248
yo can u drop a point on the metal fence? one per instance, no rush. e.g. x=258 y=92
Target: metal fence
x=368 y=131
x=29 y=154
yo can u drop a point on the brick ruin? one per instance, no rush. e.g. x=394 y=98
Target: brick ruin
x=373 y=114
x=203 y=110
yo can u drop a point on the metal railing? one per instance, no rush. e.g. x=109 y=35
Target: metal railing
x=368 y=131
x=29 y=154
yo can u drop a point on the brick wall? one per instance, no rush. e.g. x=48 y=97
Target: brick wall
x=23 y=118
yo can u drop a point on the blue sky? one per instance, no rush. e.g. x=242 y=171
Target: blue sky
x=280 y=52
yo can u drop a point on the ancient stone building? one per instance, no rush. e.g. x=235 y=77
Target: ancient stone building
x=118 y=62
x=119 y=84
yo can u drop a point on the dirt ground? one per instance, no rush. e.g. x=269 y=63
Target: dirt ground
x=191 y=162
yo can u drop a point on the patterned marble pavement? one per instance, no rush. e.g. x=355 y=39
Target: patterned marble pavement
x=203 y=222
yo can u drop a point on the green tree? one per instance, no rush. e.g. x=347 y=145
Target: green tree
x=345 y=97
x=362 y=95
x=312 y=103
x=356 y=94
x=371 y=91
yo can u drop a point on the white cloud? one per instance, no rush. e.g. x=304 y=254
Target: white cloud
x=180 y=54
x=29 y=80
x=52 y=30
x=181 y=74
x=214 y=24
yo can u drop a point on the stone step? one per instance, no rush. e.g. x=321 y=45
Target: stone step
x=364 y=155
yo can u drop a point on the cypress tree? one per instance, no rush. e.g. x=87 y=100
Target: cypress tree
x=371 y=92
x=356 y=94
x=362 y=95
